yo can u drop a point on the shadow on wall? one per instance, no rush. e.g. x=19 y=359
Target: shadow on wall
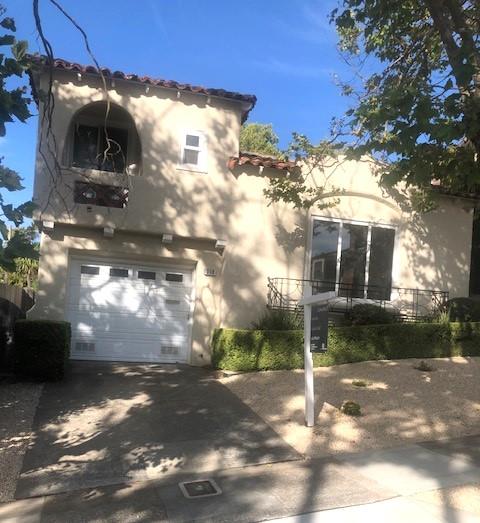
x=438 y=246
x=190 y=204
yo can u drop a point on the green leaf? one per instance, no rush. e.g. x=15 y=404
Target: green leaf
x=7 y=40
x=12 y=214
x=27 y=208
x=10 y=179
x=8 y=23
x=19 y=50
x=3 y=229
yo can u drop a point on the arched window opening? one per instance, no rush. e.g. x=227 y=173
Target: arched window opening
x=106 y=144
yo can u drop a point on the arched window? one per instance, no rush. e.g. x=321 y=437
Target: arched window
x=103 y=140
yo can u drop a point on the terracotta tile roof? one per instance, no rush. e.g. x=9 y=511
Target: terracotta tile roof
x=257 y=160
x=65 y=65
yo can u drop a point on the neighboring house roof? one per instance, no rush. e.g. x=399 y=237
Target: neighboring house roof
x=258 y=160
x=60 y=64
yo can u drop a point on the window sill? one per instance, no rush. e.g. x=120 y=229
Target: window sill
x=87 y=171
x=191 y=168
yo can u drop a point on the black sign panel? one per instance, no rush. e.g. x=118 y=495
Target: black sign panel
x=319 y=329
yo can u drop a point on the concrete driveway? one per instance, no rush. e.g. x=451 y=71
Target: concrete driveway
x=111 y=423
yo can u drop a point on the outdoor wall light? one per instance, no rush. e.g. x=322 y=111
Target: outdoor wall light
x=90 y=194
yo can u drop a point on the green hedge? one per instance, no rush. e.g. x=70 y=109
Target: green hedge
x=248 y=350
x=42 y=348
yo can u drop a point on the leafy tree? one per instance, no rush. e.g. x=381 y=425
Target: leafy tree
x=14 y=105
x=22 y=252
x=417 y=110
x=259 y=138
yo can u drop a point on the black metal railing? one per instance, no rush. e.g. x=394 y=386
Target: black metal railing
x=407 y=304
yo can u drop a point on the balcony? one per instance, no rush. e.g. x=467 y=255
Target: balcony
x=407 y=304
x=101 y=195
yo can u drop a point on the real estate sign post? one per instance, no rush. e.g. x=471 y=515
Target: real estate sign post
x=315 y=336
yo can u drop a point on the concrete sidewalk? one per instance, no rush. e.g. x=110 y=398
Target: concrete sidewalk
x=388 y=485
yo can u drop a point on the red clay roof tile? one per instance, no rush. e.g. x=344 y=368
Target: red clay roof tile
x=58 y=63
x=258 y=160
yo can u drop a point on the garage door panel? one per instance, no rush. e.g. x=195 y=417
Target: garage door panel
x=150 y=326
x=114 y=349
x=131 y=318
x=121 y=297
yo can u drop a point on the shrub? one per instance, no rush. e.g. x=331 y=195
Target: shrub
x=42 y=348
x=278 y=320
x=361 y=383
x=351 y=408
x=248 y=350
x=368 y=314
x=424 y=367
x=462 y=310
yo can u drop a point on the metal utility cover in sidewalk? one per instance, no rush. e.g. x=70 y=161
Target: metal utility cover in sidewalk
x=200 y=488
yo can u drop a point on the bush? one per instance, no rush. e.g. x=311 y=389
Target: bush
x=462 y=310
x=248 y=350
x=368 y=314
x=278 y=320
x=42 y=348
x=351 y=408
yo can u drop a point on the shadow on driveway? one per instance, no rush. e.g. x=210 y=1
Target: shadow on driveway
x=111 y=423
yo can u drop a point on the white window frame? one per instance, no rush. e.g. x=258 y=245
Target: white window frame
x=201 y=149
x=342 y=222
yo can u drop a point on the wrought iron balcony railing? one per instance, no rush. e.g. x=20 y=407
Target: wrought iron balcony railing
x=407 y=304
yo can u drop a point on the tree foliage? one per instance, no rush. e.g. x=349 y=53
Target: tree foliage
x=308 y=184
x=14 y=106
x=417 y=90
x=259 y=138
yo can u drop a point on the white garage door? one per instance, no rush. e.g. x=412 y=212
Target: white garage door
x=124 y=312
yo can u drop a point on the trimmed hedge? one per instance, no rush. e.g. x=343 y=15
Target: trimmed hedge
x=42 y=348
x=463 y=309
x=249 y=350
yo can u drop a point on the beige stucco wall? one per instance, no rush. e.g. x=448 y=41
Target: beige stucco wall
x=432 y=251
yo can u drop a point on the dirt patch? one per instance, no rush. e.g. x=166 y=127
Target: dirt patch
x=18 y=402
x=400 y=405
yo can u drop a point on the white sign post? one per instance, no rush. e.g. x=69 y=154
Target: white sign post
x=308 y=301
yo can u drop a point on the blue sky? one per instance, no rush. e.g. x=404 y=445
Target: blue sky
x=283 y=51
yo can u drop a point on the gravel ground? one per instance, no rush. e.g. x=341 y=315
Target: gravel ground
x=18 y=402
x=400 y=404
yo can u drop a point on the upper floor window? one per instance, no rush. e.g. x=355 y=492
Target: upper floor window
x=102 y=148
x=353 y=259
x=193 y=154
x=103 y=139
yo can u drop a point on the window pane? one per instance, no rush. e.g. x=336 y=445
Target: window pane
x=85 y=144
x=192 y=140
x=89 y=269
x=324 y=255
x=353 y=260
x=171 y=276
x=113 y=158
x=381 y=260
x=190 y=156
x=146 y=275
x=119 y=273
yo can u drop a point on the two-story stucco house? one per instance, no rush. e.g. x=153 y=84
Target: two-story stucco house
x=155 y=229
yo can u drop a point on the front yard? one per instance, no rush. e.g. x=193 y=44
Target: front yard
x=400 y=404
